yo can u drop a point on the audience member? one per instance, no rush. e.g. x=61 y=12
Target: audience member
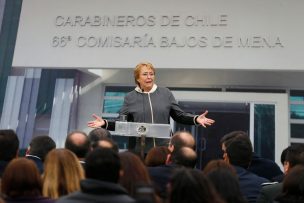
x=181 y=139
x=79 y=143
x=21 y=182
x=38 y=149
x=9 y=147
x=264 y=167
x=97 y=133
x=102 y=170
x=238 y=153
x=260 y=166
x=160 y=175
x=280 y=178
x=216 y=164
x=135 y=177
x=293 y=186
x=189 y=185
x=105 y=142
x=294 y=156
x=62 y=173
x=157 y=156
x=224 y=178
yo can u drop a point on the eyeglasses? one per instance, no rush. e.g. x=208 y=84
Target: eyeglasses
x=148 y=74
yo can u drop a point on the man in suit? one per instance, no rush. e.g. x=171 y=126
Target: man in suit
x=238 y=152
x=79 y=143
x=160 y=175
x=38 y=148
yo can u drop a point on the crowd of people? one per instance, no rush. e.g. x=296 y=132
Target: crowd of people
x=90 y=168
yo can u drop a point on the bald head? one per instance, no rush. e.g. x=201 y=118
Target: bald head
x=184 y=156
x=182 y=139
x=78 y=142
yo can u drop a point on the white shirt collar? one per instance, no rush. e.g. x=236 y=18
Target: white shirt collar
x=137 y=89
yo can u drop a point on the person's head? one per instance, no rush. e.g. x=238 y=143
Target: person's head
x=293 y=186
x=294 y=156
x=144 y=75
x=97 y=134
x=157 y=156
x=62 y=173
x=224 y=178
x=106 y=142
x=228 y=137
x=103 y=164
x=184 y=156
x=40 y=146
x=134 y=172
x=217 y=164
x=237 y=149
x=9 y=145
x=79 y=143
x=21 y=178
x=181 y=139
x=189 y=185
x=283 y=155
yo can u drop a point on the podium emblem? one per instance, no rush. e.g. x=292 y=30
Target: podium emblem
x=141 y=130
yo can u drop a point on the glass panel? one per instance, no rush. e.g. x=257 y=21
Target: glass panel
x=264 y=130
x=45 y=98
x=115 y=94
x=297 y=111
x=228 y=117
x=297 y=130
x=112 y=105
x=296 y=98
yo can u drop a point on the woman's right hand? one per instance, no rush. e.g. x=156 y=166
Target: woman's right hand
x=97 y=123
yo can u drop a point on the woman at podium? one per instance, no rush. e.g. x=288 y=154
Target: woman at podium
x=148 y=103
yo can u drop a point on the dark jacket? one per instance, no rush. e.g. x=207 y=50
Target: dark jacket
x=264 y=167
x=157 y=106
x=160 y=176
x=270 y=192
x=3 y=165
x=98 y=192
x=37 y=161
x=250 y=184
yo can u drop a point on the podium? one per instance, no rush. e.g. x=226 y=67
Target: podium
x=142 y=130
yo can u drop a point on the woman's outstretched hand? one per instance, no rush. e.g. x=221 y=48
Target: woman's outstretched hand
x=97 y=123
x=203 y=120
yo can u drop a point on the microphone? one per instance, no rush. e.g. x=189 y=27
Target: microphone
x=143 y=103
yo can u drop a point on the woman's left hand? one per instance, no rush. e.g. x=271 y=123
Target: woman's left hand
x=203 y=120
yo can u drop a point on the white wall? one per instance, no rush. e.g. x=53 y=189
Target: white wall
x=234 y=34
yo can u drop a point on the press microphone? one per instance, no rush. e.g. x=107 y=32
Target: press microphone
x=143 y=103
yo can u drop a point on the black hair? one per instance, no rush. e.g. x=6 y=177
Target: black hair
x=227 y=185
x=239 y=151
x=41 y=145
x=295 y=154
x=190 y=185
x=103 y=164
x=98 y=133
x=9 y=144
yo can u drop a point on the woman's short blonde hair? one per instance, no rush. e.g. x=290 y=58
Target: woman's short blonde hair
x=138 y=69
